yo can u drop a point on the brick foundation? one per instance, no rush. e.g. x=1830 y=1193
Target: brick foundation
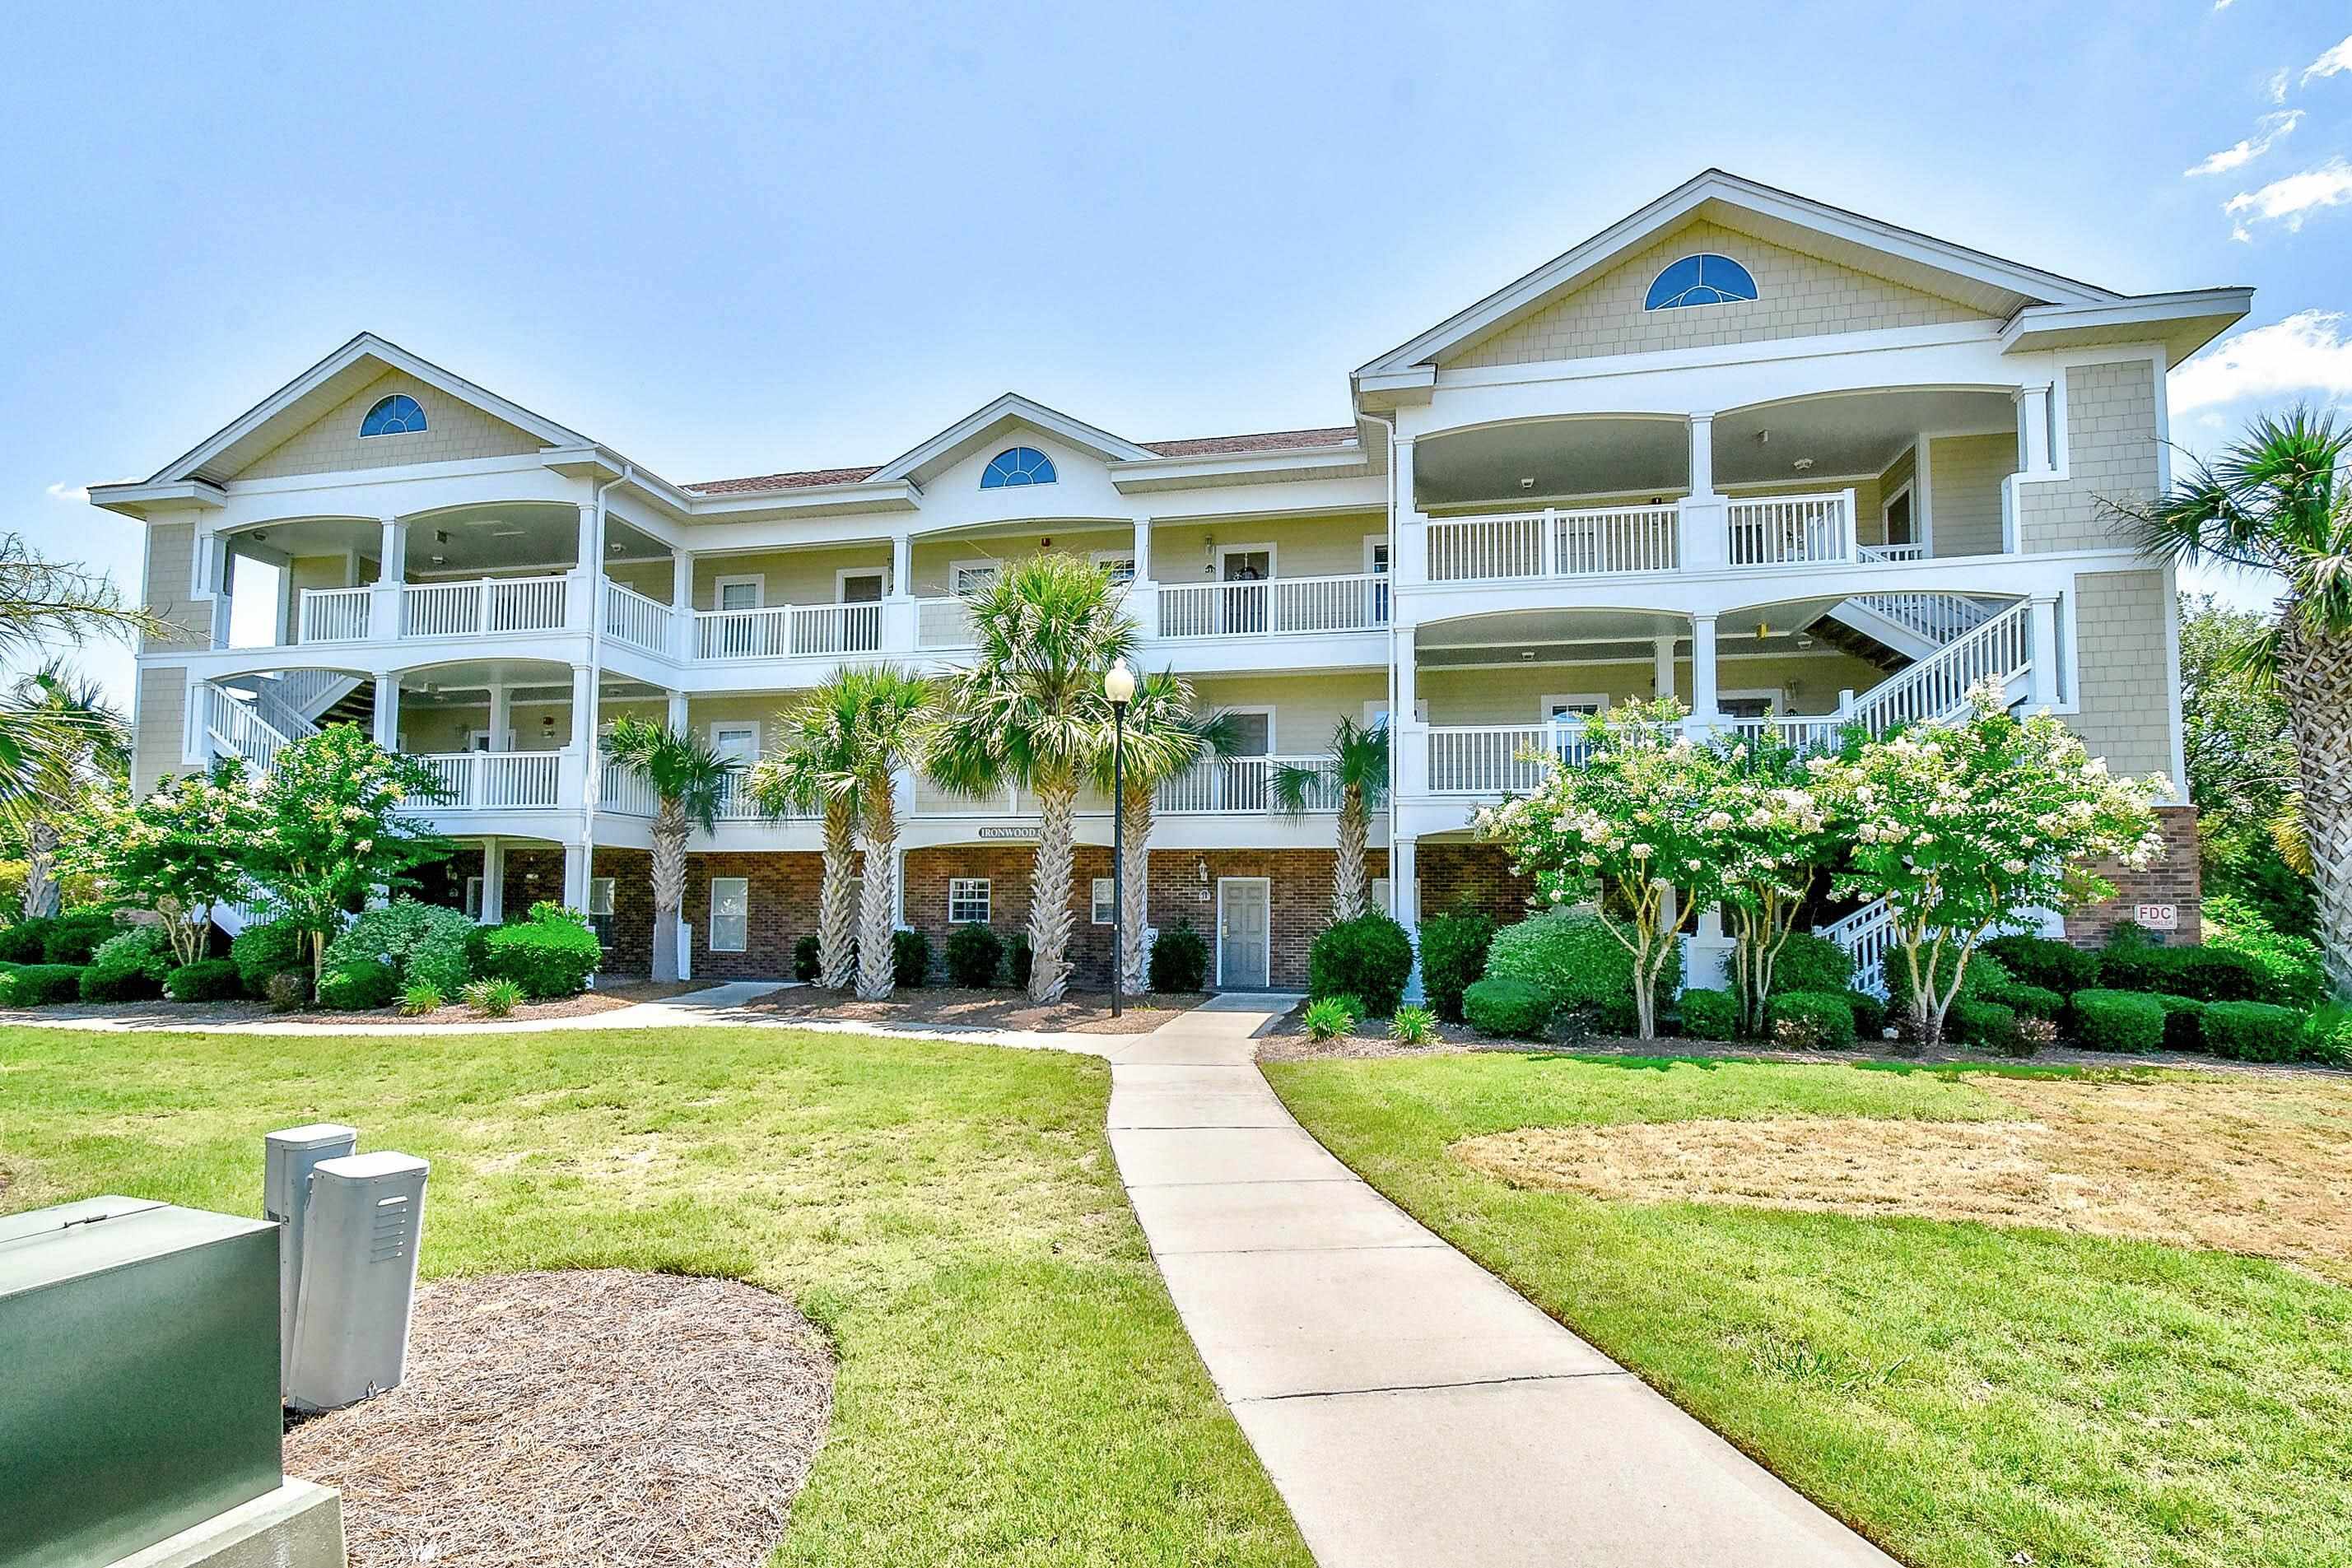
x=1454 y=876
x=2174 y=880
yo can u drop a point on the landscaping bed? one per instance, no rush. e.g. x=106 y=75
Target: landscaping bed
x=945 y=1007
x=591 y=1416
x=196 y=1015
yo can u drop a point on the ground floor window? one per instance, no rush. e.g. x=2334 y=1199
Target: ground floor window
x=600 y=908
x=1104 y=900
x=473 y=898
x=731 y=910
x=968 y=900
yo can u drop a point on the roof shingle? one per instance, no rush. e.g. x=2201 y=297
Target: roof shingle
x=1198 y=446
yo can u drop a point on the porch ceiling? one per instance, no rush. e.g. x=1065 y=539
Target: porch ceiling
x=1562 y=457
x=1858 y=433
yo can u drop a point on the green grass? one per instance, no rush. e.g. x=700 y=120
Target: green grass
x=1961 y=1392
x=1014 y=1386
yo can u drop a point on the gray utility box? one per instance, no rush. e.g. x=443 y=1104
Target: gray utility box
x=289 y=1158
x=138 y=1375
x=360 y=1226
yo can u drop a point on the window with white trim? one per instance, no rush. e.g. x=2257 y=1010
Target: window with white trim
x=968 y=900
x=1104 y=900
x=473 y=898
x=731 y=914
x=970 y=576
x=600 y=908
x=1118 y=564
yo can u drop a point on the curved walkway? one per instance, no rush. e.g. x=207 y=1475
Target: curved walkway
x=1412 y=1408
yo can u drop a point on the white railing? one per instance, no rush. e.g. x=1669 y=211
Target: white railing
x=1867 y=935
x=1934 y=617
x=624 y=792
x=303 y=693
x=1804 y=733
x=788 y=631
x=236 y=730
x=1597 y=542
x=1791 y=531
x=1246 y=785
x=1938 y=686
x=1891 y=552
x=335 y=614
x=942 y=624
x=1356 y=601
x=1496 y=759
x=631 y=617
x=483 y=607
x=493 y=780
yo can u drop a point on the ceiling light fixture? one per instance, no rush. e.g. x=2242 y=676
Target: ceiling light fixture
x=1803 y=464
x=1527 y=483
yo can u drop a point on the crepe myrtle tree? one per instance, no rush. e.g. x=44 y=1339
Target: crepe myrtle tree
x=181 y=849
x=1626 y=829
x=1962 y=827
x=332 y=831
x=1767 y=832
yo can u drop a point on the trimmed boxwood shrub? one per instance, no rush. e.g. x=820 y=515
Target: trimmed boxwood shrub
x=1983 y=1023
x=75 y=936
x=1570 y=956
x=265 y=950
x=910 y=958
x=1511 y=1010
x=2184 y=1022
x=1815 y=1019
x=2253 y=1031
x=1179 y=959
x=2034 y=1001
x=39 y=984
x=206 y=980
x=425 y=944
x=358 y=984
x=2204 y=974
x=1452 y=958
x=1869 y=1015
x=806 y=966
x=549 y=953
x=1020 y=962
x=1810 y=963
x=1368 y=957
x=128 y=967
x=2043 y=961
x=21 y=943
x=974 y=955
x=2105 y=1019
x=1710 y=1015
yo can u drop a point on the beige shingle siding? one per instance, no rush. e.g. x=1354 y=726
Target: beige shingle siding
x=2123 y=676
x=2111 y=453
x=453 y=431
x=163 y=728
x=1798 y=295
x=171 y=566
x=1964 y=475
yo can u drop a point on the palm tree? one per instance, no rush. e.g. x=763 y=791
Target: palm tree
x=689 y=782
x=849 y=738
x=1165 y=738
x=1356 y=771
x=2271 y=502
x=81 y=739
x=1030 y=712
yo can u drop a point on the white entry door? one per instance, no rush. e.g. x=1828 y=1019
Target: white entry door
x=1243 y=906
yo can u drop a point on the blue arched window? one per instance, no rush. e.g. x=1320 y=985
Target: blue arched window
x=1017 y=466
x=1704 y=279
x=395 y=415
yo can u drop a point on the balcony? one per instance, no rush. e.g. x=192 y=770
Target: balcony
x=499 y=780
x=1776 y=532
x=483 y=607
x=788 y=631
x=1276 y=607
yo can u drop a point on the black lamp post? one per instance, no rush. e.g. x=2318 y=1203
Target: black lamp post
x=1118 y=685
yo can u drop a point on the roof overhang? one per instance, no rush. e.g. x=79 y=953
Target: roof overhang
x=136 y=498
x=941 y=451
x=1289 y=463
x=2183 y=323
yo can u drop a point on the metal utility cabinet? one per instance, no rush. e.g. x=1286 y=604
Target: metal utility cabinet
x=138 y=1375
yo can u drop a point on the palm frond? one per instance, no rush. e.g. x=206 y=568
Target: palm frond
x=678 y=765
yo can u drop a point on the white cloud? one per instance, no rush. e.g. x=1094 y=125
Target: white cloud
x=2278 y=85
x=2269 y=132
x=2334 y=61
x=64 y=492
x=2291 y=200
x=2307 y=353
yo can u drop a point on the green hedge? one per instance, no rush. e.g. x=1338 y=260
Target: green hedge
x=206 y=980
x=40 y=985
x=2203 y=974
x=1980 y=1021
x=1571 y=957
x=975 y=953
x=910 y=959
x=1507 y=1008
x=1810 y=963
x=2327 y=1035
x=550 y=953
x=268 y=948
x=358 y=984
x=128 y=967
x=1710 y=1015
x=807 y=965
x=2184 y=1021
x=2043 y=961
x=1453 y=958
x=426 y=945
x=1368 y=957
x=1869 y=1016
x=1820 y=1021
x=2116 y=1020
x=1179 y=960
x=2034 y=1001
x=2253 y=1031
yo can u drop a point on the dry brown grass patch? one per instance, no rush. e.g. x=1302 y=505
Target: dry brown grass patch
x=589 y=1417
x=2261 y=1166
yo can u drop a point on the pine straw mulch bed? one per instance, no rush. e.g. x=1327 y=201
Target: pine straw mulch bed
x=589 y=1417
x=2257 y=1165
x=161 y=1015
x=948 y=1006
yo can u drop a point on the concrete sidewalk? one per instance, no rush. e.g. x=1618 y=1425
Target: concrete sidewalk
x=1411 y=1407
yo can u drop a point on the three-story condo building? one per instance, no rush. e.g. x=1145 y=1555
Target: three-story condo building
x=1769 y=456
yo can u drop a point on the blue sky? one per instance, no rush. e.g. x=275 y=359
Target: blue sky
x=737 y=239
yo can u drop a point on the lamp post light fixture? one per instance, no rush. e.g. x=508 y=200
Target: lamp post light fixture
x=1118 y=685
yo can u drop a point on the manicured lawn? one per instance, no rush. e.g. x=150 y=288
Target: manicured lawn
x=1013 y=1385
x=1966 y=1394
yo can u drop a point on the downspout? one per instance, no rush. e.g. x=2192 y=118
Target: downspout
x=1394 y=718
x=591 y=787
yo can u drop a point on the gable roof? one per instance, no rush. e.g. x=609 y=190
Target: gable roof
x=363 y=358
x=992 y=420
x=1973 y=278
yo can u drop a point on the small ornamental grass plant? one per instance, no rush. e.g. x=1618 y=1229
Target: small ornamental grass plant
x=1329 y=1018
x=1412 y=1026
x=494 y=998
x=421 y=998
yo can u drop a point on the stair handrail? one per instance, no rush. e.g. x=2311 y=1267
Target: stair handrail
x=1938 y=686
x=1866 y=935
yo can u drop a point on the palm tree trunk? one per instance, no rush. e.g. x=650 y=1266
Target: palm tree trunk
x=1349 y=891
x=2315 y=676
x=1049 y=888
x=836 y=930
x=878 y=896
x=670 y=830
x=41 y=892
x=1135 y=889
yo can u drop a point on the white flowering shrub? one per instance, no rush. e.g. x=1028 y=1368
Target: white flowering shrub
x=180 y=850
x=1768 y=835
x=1959 y=827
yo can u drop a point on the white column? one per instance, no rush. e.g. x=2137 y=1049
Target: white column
x=1143 y=594
x=902 y=565
x=1142 y=550
x=2041 y=680
x=2032 y=429
x=576 y=872
x=387 y=710
x=681 y=603
x=588 y=575
x=1702 y=699
x=898 y=629
x=1662 y=666
x=1408 y=530
x=391 y=571
x=1703 y=513
x=218 y=582
x=1404 y=905
x=501 y=715
x=676 y=716
x=494 y=882
x=1701 y=454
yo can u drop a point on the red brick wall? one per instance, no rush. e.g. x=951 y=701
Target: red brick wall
x=2173 y=880
x=1478 y=875
x=1299 y=882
